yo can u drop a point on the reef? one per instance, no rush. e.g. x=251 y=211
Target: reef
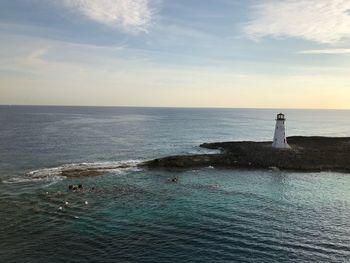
x=307 y=154
x=81 y=172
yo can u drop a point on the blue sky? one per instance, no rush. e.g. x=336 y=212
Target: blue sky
x=209 y=53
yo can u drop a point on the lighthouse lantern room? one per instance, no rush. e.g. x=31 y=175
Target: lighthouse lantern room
x=279 y=138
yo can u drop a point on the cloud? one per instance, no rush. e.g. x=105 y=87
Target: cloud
x=333 y=51
x=129 y=15
x=36 y=56
x=322 y=21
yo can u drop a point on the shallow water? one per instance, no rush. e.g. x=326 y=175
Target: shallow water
x=134 y=215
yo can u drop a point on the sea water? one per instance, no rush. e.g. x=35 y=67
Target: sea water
x=135 y=215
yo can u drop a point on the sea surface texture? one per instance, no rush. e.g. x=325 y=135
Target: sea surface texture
x=134 y=215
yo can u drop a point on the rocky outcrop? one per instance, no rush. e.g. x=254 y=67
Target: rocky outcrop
x=306 y=154
x=81 y=172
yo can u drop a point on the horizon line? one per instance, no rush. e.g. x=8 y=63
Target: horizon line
x=168 y=107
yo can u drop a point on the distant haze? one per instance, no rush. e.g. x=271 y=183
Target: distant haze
x=210 y=53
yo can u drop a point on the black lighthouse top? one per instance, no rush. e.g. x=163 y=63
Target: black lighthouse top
x=280 y=117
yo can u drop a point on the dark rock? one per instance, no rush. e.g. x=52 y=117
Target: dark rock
x=306 y=154
x=81 y=172
x=75 y=187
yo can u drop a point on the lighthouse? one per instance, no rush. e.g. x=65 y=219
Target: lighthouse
x=279 y=138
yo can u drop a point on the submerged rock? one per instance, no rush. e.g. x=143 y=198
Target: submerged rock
x=81 y=172
x=73 y=187
x=306 y=154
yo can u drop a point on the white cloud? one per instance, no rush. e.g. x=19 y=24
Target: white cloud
x=333 y=51
x=322 y=21
x=128 y=15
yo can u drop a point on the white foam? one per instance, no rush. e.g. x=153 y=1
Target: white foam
x=55 y=174
x=25 y=179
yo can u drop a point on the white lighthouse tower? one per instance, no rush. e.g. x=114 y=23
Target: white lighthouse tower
x=279 y=139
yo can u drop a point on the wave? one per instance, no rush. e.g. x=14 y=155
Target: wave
x=25 y=179
x=58 y=173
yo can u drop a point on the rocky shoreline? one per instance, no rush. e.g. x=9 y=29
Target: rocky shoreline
x=307 y=154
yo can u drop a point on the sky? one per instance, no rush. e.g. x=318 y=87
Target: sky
x=176 y=53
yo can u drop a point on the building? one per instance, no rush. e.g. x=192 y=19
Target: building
x=279 y=138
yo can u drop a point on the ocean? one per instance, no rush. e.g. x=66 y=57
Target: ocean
x=136 y=215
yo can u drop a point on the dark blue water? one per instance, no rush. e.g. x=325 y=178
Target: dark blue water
x=134 y=215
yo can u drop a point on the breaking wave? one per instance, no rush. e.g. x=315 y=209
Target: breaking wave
x=26 y=179
x=56 y=173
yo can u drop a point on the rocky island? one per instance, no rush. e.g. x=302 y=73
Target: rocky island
x=296 y=153
x=305 y=154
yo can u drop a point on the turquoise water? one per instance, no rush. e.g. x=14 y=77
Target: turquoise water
x=135 y=215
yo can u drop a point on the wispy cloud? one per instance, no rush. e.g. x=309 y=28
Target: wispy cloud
x=322 y=21
x=129 y=15
x=36 y=56
x=333 y=51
